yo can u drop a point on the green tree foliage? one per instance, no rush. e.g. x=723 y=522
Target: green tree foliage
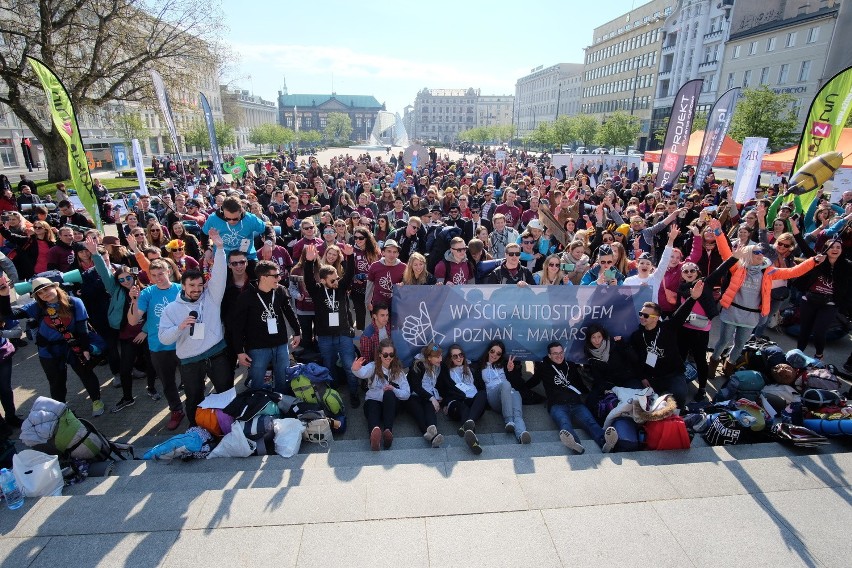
x=620 y=129
x=309 y=137
x=129 y=126
x=584 y=128
x=338 y=126
x=273 y=135
x=484 y=134
x=196 y=135
x=101 y=51
x=764 y=113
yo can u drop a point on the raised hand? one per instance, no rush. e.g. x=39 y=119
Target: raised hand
x=697 y=289
x=216 y=238
x=310 y=252
x=510 y=364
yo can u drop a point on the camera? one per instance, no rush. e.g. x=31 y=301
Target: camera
x=133 y=270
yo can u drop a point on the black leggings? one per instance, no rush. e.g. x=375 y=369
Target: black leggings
x=694 y=342
x=814 y=318
x=130 y=353
x=381 y=414
x=56 y=370
x=468 y=408
x=422 y=411
x=358 y=301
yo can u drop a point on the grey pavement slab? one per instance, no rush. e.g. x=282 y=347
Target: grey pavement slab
x=819 y=517
x=21 y=552
x=243 y=547
x=705 y=527
x=120 y=513
x=391 y=543
x=138 y=549
x=623 y=535
x=282 y=506
x=596 y=487
x=491 y=540
x=446 y=497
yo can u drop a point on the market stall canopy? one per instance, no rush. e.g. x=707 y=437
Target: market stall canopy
x=782 y=162
x=729 y=154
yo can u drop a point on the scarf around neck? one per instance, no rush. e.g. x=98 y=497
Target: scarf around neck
x=601 y=352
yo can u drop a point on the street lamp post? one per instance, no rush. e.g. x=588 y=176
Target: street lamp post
x=635 y=85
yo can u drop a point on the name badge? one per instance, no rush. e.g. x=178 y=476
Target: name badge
x=651 y=359
x=197 y=332
x=272 y=326
x=244 y=245
x=333 y=319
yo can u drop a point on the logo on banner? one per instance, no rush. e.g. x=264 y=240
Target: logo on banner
x=821 y=129
x=418 y=330
x=671 y=162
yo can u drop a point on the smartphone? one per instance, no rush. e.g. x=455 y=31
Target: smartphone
x=567 y=266
x=609 y=274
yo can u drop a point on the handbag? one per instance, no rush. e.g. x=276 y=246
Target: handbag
x=38 y=474
x=318 y=431
x=780 y=294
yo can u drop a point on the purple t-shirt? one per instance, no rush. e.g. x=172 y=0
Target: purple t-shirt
x=383 y=278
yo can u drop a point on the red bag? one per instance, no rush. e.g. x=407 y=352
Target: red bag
x=667 y=434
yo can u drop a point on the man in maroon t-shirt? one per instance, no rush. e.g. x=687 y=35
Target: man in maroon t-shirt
x=455 y=268
x=509 y=210
x=383 y=274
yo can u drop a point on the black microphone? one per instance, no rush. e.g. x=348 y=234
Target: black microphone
x=192 y=314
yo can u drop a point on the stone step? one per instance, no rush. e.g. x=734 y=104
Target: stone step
x=326 y=495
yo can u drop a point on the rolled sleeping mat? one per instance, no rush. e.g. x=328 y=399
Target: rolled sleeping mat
x=842 y=427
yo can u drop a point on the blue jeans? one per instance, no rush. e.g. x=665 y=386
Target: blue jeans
x=566 y=414
x=733 y=335
x=507 y=401
x=332 y=346
x=261 y=358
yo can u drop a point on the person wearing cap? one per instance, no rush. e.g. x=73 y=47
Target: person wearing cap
x=454 y=219
x=383 y=275
x=63 y=337
x=603 y=271
x=488 y=206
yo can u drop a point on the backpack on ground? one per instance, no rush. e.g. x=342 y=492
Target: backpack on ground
x=666 y=434
x=814 y=378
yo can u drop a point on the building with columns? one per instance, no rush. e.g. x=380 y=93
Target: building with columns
x=246 y=111
x=309 y=112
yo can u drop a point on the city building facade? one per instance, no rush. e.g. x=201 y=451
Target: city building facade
x=620 y=67
x=306 y=112
x=781 y=45
x=246 y=111
x=494 y=110
x=441 y=114
x=693 y=46
x=539 y=95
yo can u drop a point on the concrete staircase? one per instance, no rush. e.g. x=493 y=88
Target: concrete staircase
x=412 y=505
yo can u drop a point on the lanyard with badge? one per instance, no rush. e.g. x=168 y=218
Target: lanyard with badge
x=333 y=313
x=245 y=243
x=269 y=314
x=651 y=358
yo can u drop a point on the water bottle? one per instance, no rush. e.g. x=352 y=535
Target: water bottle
x=14 y=496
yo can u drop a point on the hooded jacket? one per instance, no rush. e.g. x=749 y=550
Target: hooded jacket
x=208 y=307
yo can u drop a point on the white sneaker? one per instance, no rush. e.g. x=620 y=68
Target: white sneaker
x=430 y=433
x=610 y=440
x=437 y=440
x=569 y=442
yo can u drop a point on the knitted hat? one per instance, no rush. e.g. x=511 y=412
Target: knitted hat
x=623 y=229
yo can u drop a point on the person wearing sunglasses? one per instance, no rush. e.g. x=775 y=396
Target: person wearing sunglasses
x=463 y=395
x=237 y=228
x=647 y=274
x=387 y=387
x=500 y=374
x=655 y=346
x=748 y=296
x=603 y=272
x=257 y=331
x=564 y=390
x=510 y=270
x=780 y=253
x=332 y=322
x=455 y=269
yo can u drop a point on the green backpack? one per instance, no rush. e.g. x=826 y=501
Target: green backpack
x=303 y=389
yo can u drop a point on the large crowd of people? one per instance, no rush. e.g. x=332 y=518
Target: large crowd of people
x=298 y=259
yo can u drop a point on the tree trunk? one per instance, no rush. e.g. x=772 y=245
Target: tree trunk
x=56 y=156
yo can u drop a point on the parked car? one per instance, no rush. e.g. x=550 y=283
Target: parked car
x=581 y=150
x=600 y=151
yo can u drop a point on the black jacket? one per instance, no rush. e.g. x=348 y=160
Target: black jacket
x=321 y=309
x=565 y=389
x=247 y=327
x=665 y=339
x=619 y=371
x=502 y=275
x=448 y=389
x=840 y=275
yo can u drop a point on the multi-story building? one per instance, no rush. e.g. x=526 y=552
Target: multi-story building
x=246 y=111
x=781 y=45
x=620 y=68
x=105 y=144
x=309 y=112
x=494 y=110
x=441 y=114
x=694 y=37
x=539 y=95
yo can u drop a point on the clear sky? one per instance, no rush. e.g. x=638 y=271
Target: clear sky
x=391 y=50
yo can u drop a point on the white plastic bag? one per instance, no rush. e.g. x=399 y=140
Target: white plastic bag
x=234 y=444
x=288 y=436
x=38 y=474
